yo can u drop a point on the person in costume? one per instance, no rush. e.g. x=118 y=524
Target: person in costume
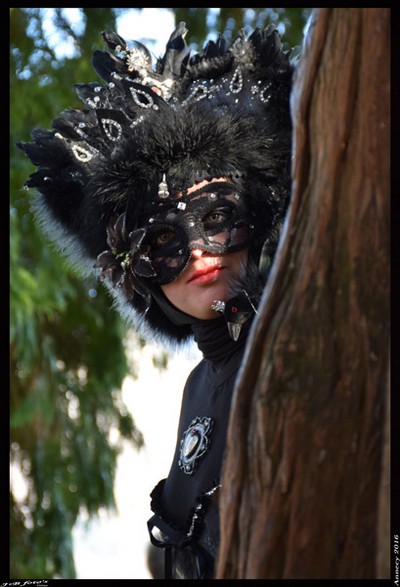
x=172 y=184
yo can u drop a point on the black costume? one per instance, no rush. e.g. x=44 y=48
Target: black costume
x=185 y=504
x=112 y=183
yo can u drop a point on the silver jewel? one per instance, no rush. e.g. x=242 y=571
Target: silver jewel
x=236 y=84
x=163 y=89
x=136 y=122
x=82 y=154
x=137 y=61
x=135 y=93
x=110 y=126
x=91 y=103
x=234 y=330
x=116 y=75
x=198 y=510
x=213 y=490
x=181 y=205
x=218 y=306
x=262 y=91
x=163 y=188
x=264 y=97
x=194 y=443
x=199 y=92
x=79 y=131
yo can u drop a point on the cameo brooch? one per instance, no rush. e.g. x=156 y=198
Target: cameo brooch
x=194 y=443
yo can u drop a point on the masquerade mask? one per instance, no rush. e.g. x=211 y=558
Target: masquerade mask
x=214 y=218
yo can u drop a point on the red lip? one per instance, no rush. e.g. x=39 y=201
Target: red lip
x=205 y=274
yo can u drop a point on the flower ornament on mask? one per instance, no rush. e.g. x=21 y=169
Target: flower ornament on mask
x=127 y=260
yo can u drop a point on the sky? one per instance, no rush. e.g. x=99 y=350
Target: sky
x=154 y=25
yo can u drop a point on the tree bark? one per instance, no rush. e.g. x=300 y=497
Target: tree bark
x=305 y=481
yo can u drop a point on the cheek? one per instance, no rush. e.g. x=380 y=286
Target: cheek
x=173 y=291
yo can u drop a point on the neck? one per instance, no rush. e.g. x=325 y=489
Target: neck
x=214 y=341
x=212 y=336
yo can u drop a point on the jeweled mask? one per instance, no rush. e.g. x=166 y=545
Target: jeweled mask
x=214 y=218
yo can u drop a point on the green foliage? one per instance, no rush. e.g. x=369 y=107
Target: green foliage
x=67 y=353
x=68 y=359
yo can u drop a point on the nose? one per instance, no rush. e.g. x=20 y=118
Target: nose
x=197 y=253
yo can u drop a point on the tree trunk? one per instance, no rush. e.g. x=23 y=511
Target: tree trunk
x=305 y=483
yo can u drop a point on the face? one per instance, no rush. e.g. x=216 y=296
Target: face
x=206 y=278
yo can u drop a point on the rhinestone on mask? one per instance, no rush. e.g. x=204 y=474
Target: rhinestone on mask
x=163 y=192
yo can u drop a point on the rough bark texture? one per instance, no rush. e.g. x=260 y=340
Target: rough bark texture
x=305 y=484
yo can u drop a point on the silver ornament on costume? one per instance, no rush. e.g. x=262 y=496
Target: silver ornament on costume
x=163 y=188
x=237 y=311
x=194 y=443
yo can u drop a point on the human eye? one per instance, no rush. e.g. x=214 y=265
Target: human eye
x=163 y=238
x=216 y=216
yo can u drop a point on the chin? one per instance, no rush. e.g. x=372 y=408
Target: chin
x=216 y=293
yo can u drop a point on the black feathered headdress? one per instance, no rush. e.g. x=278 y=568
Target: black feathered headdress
x=151 y=133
